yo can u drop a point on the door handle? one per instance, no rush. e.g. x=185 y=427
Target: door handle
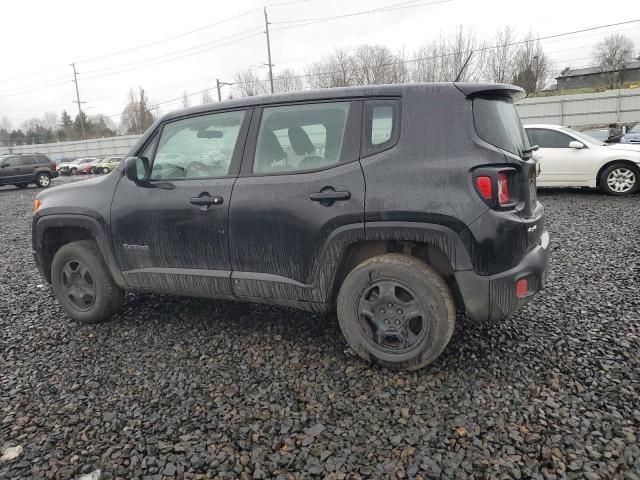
x=330 y=196
x=206 y=200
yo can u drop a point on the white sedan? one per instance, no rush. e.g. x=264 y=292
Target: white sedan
x=572 y=159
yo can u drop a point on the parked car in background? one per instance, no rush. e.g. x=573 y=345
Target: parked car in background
x=72 y=168
x=572 y=159
x=606 y=135
x=108 y=164
x=22 y=169
x=274 y=210
x=90 y=167
x=632 y=136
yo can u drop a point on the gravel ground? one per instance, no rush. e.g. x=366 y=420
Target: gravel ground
x=190 y=388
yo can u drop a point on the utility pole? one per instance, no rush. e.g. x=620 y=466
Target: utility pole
x=218 y=85
x=266 y=25
x=75 y=80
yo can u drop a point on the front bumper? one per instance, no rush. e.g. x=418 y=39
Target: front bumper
x=494 y=297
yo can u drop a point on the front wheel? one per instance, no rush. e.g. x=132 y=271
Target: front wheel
x=22 y=185
x=43 y=180
x=74 y=171
x=82 y=283
x=105 y=170
x=619 y=179
x=397 y=311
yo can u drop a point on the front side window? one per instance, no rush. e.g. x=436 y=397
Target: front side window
x=9 y=162
x=197 y=147
x=548 y=138
x=300 y=137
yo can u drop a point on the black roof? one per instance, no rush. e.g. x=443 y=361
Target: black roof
x=344 y=92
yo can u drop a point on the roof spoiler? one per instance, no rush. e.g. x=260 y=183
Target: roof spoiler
x=470 y=89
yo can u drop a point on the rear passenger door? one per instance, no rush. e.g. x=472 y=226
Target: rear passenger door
x=559 y=163
x=27 y=167
x=300 y=189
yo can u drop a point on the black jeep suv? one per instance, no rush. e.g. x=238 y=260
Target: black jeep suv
x=394 y=205
x=22 y=169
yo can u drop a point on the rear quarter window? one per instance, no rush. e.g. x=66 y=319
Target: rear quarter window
x=497 y=122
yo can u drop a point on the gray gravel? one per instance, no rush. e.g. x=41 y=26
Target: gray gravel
x=190 y=388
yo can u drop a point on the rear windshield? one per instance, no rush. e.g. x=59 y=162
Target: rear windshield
x=497 y=122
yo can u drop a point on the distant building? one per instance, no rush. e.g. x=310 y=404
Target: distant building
x=594 y=76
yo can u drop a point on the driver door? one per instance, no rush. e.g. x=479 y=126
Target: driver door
x=170 y=232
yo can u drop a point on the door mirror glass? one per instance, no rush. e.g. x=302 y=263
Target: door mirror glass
x=576 y=144
x=136 y=169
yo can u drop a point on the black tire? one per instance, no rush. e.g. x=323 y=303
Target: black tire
x=21 y=185
x=107 y=297
x=429 y=293
x=43 y=180
x=620 y=179
x=74 y=171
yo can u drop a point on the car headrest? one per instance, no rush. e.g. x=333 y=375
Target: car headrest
x=300 y=141
x=270 y=148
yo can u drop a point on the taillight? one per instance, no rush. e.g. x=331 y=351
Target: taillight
x=503 y=189
x=522 y=288
x=53 y=167
x=483 y=184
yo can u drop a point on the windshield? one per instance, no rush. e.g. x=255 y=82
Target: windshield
x=583 y=136
x=497 y=122
x=635 y=129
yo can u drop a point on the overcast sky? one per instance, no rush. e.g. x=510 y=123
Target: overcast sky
x=46 y=36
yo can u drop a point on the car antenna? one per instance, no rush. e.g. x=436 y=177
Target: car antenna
x=463 y=66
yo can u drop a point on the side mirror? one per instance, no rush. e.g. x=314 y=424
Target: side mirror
x=133 y=165
x=576 y=144
x=4 y=165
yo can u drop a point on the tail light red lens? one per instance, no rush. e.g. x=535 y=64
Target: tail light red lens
x=522 y=288
x=53 y=167
x=483 y=184
x=503 y=189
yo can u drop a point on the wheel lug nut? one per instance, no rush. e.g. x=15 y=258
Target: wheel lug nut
x=389 y=305
x=386 y=322
x=397 y=322
x=382 y=311
x=399 y=311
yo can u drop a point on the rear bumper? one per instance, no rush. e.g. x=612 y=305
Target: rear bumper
x=494 y=297
x=53 y=174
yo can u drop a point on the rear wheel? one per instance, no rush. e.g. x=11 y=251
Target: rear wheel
x=105 y=170
x=619 y=179
x=43 y=180
x=82 y=283
x=395 y=310
x=74 y=171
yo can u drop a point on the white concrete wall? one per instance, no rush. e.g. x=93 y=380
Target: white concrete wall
x=101 y=147
x=612 y=106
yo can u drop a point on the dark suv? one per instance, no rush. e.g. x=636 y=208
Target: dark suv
x=360 y=200
x=22 y=169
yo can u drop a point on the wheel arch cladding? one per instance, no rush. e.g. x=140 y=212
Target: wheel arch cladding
x=53 y=231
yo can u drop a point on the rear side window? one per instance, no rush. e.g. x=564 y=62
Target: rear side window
x=41 y=160
x=27 y=160
x=300 y=137
x=548 y=138
x=497 y=122
x=381 y=125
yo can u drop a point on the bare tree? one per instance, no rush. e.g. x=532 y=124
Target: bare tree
x=500 y=61
x=5 y=124
x=458 y=56
x=287 y=81
x=376 y=65
x=185 y=99
x=138 y=115
x=206 y=98
x=611 y=55
x=533 y=67
x=248 y=84
x=50 y=120
x=336 y=70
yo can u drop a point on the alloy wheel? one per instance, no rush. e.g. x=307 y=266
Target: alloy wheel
x=621 y=180
x=44 y=180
